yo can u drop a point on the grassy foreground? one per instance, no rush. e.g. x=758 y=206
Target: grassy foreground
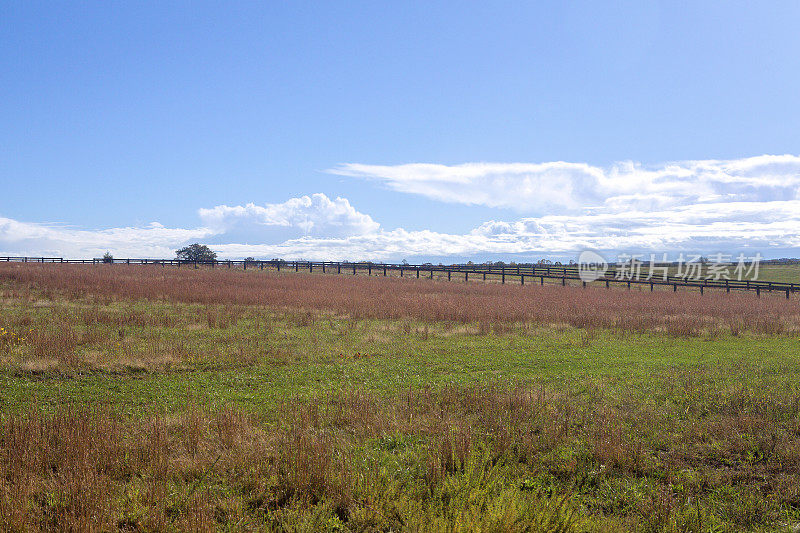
x=128 y=412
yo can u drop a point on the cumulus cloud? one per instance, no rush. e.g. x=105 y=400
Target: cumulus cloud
x=698 y=206
x=697 y=227
x=736 y=227
x=308 y=216
x=575 y=187
x=688 y=230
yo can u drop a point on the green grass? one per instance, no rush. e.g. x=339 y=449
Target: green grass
x=766 y=272
x=780 y=273
x=334 y=353
x=657 y=435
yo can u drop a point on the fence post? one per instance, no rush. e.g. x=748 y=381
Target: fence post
x=466 y=276
x=369 y=269
x=563 y=281
x=354 y=269
x=417 y=272
x=674 y=287
x=607 y=285
x=448 y=275
x=758 y=291
x=701 y=290
x=323 y=267
x=522 y=279
x=310 y=266
x=401 y=272
x=384 y=271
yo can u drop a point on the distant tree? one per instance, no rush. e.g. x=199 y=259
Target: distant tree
x=108 y=258
x=196 y=252
x=404 y=262
x=249 y=259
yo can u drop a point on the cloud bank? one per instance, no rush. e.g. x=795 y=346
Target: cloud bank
x=153 y=240
x=558 y=209
x=575 y=187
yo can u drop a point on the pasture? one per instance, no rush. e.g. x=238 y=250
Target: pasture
x=143 y=398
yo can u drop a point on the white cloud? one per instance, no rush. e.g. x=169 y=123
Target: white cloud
x=700 y=206
x=521 y=186
x=312 y=216
x=154 y=240
x=574 y=187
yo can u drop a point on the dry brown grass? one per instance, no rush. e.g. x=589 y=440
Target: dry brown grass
x=93 y=470
x=375 y=460
x=489 y=305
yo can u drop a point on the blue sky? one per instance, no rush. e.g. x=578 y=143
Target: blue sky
x=419 y=130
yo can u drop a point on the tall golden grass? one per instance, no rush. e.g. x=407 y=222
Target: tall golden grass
x=679 y=314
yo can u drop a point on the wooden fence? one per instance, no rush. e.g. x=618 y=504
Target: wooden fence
x=521 y=274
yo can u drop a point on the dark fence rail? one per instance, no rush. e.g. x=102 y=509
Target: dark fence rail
x=501 y=273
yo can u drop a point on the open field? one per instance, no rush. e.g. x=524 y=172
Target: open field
x=780 y=273
x=142 y=398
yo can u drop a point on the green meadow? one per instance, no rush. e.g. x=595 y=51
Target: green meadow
x=138 y=414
